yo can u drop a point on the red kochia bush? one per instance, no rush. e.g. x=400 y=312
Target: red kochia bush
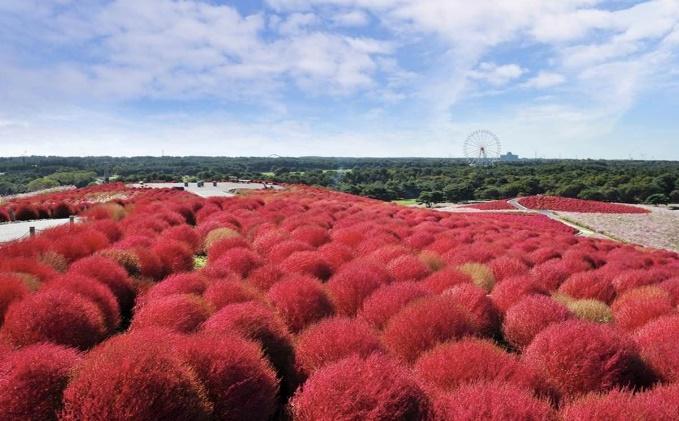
x=184 y=234
x=480 y=307
x=589 y=284
x=373 y=389
x=12 y=288
x=578 y=357
x=136 y=376
x=530 y=316
x=239 y=382
x=334 y=339
x=110 y=274
x=407 y=268
x=640 y=277
x=255 y=321
x=227 y=291
x=512 y=290
x=658 y=347
x=282 y=250
x=614 y=405
x=506 y=266
x=174 y=255
x=181 y=312
x=58 y=316
x=335 y=254
x=313 y=235
x=452 y=364
x=94 y=291
x=308 y=263
x=425 y=323
x=264 y=277
x=638 y=306
x=181 y=283
x=444 y=279
x=491 y=401
x=26 y=213
x=300 y=300
x=388 y=300
x=352 y=284
x=32 y=381
x=238 y=260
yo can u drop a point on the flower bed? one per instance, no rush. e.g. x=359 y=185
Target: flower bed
x=566 y=204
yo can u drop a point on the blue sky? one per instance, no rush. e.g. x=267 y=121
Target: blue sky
x=566 y=78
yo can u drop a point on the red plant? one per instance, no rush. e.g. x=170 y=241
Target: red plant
x=26 y=213
x=313 y=235
x=452 y=364
x=335 y=254
x=136 y=376
x=181 y=283
x=491 y=205
x=174 y=255
x=4 y=216
x=184 y=234
x=550 y=275
x=638 y=306
x=590 y=284
x=352 y=284
x=219 y=247
x=672 y=287
x=473 y=299
x=238 y=260
x=257 y=322
x=514 y=289
x=576 y=205
x=611 y=359
x=614 y=405
x=445 y=279
x=239 y=382
x=424 y=324
x=12 y=288
x=334 y=339
x=658 y=347
x=282 y=250
x=181 y=312
x=407 y=268
x=32 y=267
x=388 y=300
x=300 y=300
x=637 y=278
x=307 y=262
x=374 y=388
x=111 y=274
x=491 y=401
x=531 y=316
x=264 y=277
x=58 y=316
x=93 y=290
x=32 y=381
x=227 y=291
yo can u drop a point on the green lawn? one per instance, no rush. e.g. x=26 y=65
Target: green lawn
x=405 y=202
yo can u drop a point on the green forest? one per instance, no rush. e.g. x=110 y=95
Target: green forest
x=430 y=179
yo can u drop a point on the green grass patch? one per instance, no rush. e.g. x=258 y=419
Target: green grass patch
x=405 y=202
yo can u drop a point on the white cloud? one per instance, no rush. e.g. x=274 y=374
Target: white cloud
x=544 y=80
x=496 y=75
x=353 y=18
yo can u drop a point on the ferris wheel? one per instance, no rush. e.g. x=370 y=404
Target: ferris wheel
x=482 y=148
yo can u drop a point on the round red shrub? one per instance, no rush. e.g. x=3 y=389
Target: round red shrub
x=512 y=290
x=452 y=364
x=313 y=235
x=227 y=291
x=111 y=274
x=149 y=263
x=282 y=250
x=26 y=213
x=300 y=300
x=174 y=255
x=480 y=307
x=334 y=339
x=181 y=283
x=672 y=287
x=335 y=254
x=256 y=321
x=506 y=266
x=589 y=284
x=407 y=268
x=491 y=401
x=181 y=312
x=238 y=380
x=614 y=405
x=238 y=260
x=32 y=381
x=578 y=357
x=658 y=347
x=444 y=279
x=185 y=234
x=639 y=277
x=264 y=277
x=531 y=316
x=58 y=316
x=550 y=275
x=638 y=306
x=388 y=300
x=352 y=284
x=664 y=400
x=219 y=247
x=28 y=266
x=92 y=290
x=426 y=323
x=307 y=263
x=12 y=288
x=373 y=389
x=137 y=376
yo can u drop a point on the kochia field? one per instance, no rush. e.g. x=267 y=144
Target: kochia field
x=307 y=304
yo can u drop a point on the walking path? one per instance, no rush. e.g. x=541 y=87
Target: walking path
x=15 y=230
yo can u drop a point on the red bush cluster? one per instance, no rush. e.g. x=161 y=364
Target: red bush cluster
x=228 y=307
x=491 y=205
x=567 y=204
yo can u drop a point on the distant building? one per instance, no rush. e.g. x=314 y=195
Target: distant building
x=509 y=157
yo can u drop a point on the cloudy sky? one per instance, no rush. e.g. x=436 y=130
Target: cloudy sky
x=552 y=78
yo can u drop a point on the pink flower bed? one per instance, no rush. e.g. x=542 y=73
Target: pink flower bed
x=576 y=205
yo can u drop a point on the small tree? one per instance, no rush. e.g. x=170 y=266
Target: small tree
x=657 y=199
